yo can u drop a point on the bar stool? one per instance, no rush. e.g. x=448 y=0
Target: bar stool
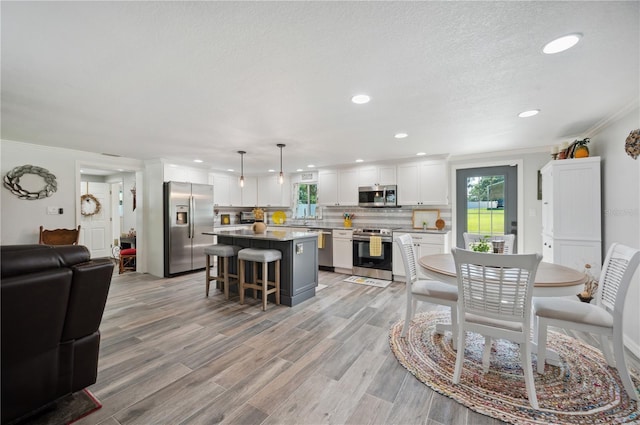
x=264 y=256
x=223 y=252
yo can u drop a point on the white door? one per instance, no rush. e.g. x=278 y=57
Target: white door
x=95 y=232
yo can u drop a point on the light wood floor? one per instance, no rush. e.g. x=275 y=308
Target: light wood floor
x=171 y=356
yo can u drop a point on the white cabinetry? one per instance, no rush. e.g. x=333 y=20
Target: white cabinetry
x=424 y=244
x=250 y=192
x=423 y=183
x=348 y=181
x=343 y=251
x=386 y=175
x=271 y=193
x=226 y=190
x=340 y=187
x=177 y=173
x=327 y=187
x=571 y=213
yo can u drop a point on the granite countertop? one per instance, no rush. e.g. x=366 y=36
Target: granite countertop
x=272 y=235
x=412 y=230
x=328 y=227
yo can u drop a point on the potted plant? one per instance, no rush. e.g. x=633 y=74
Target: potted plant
x=483 y=245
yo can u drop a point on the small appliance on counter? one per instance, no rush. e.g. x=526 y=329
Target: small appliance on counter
x=247 y=217
x=225 y=219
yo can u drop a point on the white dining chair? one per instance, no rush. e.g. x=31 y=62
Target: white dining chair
x=509 y=240
x=494 y=300
x=603 y=316
x=417 y=289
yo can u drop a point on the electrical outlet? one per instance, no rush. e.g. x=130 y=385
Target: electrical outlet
x=52 y=210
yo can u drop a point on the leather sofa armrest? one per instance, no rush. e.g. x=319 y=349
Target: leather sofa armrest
x=89 y=290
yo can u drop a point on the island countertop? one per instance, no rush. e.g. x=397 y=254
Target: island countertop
x=269 y=235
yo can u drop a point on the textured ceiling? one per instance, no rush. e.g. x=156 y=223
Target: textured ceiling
x=185 y=80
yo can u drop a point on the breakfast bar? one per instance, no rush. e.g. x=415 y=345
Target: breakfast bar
x=299 y=264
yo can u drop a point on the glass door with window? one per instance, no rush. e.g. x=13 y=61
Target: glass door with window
x=487 y=202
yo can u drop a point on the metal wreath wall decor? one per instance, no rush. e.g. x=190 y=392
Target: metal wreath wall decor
x=12 y=182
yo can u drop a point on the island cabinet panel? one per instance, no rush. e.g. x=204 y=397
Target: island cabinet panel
x=298 y=267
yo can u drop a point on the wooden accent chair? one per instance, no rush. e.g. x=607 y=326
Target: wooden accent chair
x=59 y=236
x=126 y=259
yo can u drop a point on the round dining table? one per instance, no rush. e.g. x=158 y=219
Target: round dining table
x=552 y=280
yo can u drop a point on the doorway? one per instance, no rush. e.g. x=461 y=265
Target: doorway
x=487 y=202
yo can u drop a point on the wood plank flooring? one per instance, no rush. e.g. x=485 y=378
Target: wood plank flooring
x=169 y=355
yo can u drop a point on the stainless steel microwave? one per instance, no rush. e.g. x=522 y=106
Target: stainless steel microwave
x=379 y=196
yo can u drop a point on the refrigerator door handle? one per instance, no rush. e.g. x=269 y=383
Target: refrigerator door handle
x=192 y=208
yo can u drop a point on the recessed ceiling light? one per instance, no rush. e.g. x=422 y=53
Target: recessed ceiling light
x=421 y=154
x=310 y=166
x=271 y=170
x=400 y=135
x=197 y=160
x=527 y=114
x=561 y=44
x=360 y=99
x=299 y=169
x=359 y=160
x=230 y=170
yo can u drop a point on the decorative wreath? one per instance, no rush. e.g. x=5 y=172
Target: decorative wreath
x=89 y=205
x=12 y=182
x=632 y=144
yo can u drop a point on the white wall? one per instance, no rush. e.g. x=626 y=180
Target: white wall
x=530 y=227
x=621 y=207
x=21 y=219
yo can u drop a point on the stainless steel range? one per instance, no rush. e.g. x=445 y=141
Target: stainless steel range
x=370 y=258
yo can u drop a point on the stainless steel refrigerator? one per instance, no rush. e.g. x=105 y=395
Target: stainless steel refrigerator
x=188 y=211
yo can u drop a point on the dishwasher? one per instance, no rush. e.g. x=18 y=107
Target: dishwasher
x=325 y=254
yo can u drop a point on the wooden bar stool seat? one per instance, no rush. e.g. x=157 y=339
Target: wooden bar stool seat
x=264 y=256
x=223 y=252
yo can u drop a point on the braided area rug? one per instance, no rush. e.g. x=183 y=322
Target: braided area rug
x=582 y=390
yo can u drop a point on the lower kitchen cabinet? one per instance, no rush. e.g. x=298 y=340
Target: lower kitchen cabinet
x=343 y=251
x=424 y=244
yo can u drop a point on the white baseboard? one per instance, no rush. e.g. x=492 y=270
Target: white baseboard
x=631 y=345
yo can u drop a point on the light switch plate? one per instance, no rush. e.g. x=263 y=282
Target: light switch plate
x=52 y=210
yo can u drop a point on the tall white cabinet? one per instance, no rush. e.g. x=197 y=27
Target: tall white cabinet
x=571 y=213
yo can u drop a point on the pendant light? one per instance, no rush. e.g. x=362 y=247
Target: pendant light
x=281 y=145
x=241 y=168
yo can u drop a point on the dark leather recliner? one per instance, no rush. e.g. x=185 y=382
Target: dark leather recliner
x=53 y=298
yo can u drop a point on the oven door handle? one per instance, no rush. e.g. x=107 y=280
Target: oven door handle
x=367 y=239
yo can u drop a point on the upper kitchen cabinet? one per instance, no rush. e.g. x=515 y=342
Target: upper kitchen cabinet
x=250 y=192
x=177 y=173
x=273 y=194
x=348 y=181
x=226 y=190
x=328 y=187
x=371 y=175
x=340 y=187
x=423 y=183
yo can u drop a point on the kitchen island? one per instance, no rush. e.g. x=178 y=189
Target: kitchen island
x=299 y=264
